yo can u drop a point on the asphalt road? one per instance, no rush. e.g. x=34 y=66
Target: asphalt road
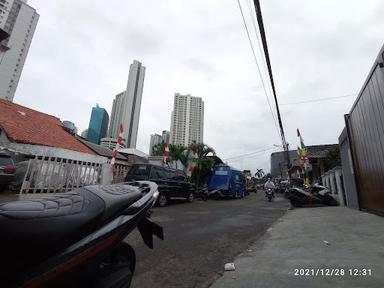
x=200 y=238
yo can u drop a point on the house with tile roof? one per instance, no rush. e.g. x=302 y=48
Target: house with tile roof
x=31 y=132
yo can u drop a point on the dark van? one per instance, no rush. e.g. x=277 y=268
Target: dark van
x=172 y=183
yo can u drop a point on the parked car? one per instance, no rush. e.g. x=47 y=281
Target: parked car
x=7 y=169
x=171 y=183
x=227 y=181
x=17 y=181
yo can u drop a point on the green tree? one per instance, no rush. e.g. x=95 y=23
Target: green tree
x=260 y=173
x=179 y=153
x=332 y=159
x=199 y=152
x=158 y=149
x=176 y=153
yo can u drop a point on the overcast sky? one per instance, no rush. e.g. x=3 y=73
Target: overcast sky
x=82 y=49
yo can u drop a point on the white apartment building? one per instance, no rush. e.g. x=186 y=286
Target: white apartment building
x=155 y=139
x=111 y=143
x=126 y=106
x=187 y=120
x=19 y=20
x=166 y=135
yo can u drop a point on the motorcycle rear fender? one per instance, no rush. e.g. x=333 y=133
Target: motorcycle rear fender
x=147 y=229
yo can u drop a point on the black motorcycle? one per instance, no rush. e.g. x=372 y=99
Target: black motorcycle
x=316 y=195
x=204 y=194
x=269 y=194
x=76 y=239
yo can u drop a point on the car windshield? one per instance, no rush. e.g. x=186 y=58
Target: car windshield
x=139 y=170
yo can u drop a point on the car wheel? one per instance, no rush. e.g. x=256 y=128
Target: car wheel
x=162 y=200
x=190 y=197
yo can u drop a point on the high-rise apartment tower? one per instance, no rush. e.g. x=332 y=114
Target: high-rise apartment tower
x=187 y=120
x=19 y=20
x=126 y=106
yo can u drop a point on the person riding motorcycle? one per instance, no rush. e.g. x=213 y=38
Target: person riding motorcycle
x=269 y=185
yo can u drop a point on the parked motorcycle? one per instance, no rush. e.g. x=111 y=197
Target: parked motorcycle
x=269 y=194
x=75 y=239
x=204 y=194
x=316 y=195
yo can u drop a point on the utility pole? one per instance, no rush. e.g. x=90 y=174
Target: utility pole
x=259 y=17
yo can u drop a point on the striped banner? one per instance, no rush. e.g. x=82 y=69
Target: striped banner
x=166 y=152
x=119 y=143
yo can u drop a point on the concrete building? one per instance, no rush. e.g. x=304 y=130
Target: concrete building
x=19 y=20
x=98 y=125
x=116 y=116
x=126 y=106
x=166 y=135
x=187 y=120
x=110 y=143
x=155 y=140
x=316 y=157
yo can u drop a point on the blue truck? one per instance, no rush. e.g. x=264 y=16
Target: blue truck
x=227 y=181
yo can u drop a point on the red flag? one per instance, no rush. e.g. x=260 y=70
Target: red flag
x=166 y=152
x=119 y=143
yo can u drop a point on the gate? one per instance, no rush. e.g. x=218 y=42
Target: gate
x=365 y=126
x=51 y=174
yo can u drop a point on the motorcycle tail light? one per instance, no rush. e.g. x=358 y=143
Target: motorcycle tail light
x=10 y=169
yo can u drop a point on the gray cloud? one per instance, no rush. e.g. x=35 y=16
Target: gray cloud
x=82 y=49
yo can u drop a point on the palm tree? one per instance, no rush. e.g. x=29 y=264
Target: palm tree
x=179 y=153
x=199 y=152
x=158 y=149
x=176 y=153
x=260 y=173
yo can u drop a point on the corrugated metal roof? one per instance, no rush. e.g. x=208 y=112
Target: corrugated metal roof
x=103 y=151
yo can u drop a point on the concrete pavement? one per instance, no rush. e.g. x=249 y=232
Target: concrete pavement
x=323 y=238
x=200 y=238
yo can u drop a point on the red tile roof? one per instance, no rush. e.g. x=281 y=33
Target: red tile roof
x=24 y=125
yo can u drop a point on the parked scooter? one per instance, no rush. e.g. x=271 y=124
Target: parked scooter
x=204 y=194
x=316 y=195
x=76 y=239
x=269 y=194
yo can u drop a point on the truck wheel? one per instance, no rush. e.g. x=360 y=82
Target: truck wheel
x=162 y=200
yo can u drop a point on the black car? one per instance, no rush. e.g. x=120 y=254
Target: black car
x=7 y=169
x=172 y=183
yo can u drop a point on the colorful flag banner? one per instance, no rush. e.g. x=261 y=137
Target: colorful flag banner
x=304 y=162
x=119 y=143
x=166 y=152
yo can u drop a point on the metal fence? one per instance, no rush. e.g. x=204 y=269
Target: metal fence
x=120 y=173
x=51 y=174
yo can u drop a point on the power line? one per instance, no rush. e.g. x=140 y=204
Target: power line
x=259 y=18
x=251 y=14
x=318 y=100
x=257 y=64
x=249 y=154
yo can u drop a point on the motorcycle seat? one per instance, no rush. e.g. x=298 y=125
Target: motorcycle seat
x=37 y=228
